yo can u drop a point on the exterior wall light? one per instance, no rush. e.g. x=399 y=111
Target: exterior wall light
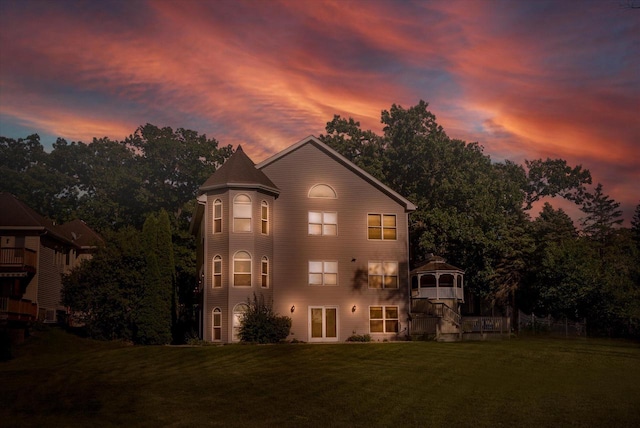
x=353 y=309
x=293 y=308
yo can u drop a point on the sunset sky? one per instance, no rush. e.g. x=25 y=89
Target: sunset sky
x=525 y=79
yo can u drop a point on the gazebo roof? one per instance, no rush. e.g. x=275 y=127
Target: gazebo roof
x=435 y=264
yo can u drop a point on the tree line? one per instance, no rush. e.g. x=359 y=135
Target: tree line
x=474 y=212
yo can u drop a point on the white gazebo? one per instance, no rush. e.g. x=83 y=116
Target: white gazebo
x=437 y=280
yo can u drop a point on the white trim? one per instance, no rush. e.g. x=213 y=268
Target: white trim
x=250 y=273
x=324 y=337
x=382 y=226
x=384 y=319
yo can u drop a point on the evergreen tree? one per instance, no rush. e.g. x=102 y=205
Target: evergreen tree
x=602 y=215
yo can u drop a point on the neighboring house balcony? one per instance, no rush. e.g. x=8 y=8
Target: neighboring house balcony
x=17 y=262
x=17 y=310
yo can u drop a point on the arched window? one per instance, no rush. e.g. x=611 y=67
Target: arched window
x=217 y=216
x=322 y=191
x=264 y=217
x=242 y=269
x=217 y=272
x=216 y=325
x=242 y=213
x=427 y=281
x=238 y=314
x=265 y=272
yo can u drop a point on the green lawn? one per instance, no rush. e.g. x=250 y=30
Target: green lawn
x=58 y=379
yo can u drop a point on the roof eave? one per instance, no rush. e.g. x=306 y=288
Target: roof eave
x=267 y=189
x=408 y=205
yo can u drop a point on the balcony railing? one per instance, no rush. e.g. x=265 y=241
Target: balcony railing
x=438 y=293
x=17 y=310
x=18 y=258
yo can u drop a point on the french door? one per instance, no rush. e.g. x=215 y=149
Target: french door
x=323 y=324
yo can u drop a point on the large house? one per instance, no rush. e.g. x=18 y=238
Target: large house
x=311 y=232
x=34 y=253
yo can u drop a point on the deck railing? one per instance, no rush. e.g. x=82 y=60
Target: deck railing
x=18 y=257
x=14 y=309
x=486 y=325
x=436 y=309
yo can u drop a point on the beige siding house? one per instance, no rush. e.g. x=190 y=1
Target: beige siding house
x=34 y=253
x=317 y=236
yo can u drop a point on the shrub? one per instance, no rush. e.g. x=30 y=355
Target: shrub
x=261 y=325
x=359 y=338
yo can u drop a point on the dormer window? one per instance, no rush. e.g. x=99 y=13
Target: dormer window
x=323 y=191
x=242 y=213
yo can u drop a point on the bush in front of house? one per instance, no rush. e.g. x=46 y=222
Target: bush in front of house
x=261 y=325
x=359 y=338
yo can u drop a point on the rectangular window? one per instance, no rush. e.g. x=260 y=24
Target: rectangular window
x=242 y=213
x=264 y=215
x=381 y=226
x=217 y=325
x=217 y=216
x=383 y=319
x=217 y=272
x=265 y=273
x=323 y=273
x=383 y=274
x=323 y=223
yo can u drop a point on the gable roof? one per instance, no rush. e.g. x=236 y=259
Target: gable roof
x=18 y=216
x=408 y=205
x=81 y=234
x=239 y=171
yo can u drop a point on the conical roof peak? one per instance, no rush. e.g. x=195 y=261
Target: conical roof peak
x=239 y=171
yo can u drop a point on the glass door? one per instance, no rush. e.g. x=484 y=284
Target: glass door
x=323 y=323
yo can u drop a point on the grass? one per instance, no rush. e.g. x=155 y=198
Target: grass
x=58 y=379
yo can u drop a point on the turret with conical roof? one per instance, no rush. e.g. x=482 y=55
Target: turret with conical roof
x=239 y=172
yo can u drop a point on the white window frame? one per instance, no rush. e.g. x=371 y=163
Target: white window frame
x=324 y=221
x=217 y=216
x=240 y=205
x=216 y=266
x=385 y=319
x=382 y=227
x=264 y=218
x=264 y=272
x=322 y=191
x=383 y=273
x=216 y=326
x=324 y=337
x=323 y=272
x=236 y=258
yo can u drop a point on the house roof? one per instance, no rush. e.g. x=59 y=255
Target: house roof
x=81 y=234
x=409 y=206
x=18 y=216
x=239 y=171
x=435 y=264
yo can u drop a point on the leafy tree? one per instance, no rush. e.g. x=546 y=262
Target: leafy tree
x=106 y=291
x=553 y=177
x=260 y=324
x=174 y=164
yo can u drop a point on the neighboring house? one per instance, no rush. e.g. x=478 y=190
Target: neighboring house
x=34 y=253
x=317 y=236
